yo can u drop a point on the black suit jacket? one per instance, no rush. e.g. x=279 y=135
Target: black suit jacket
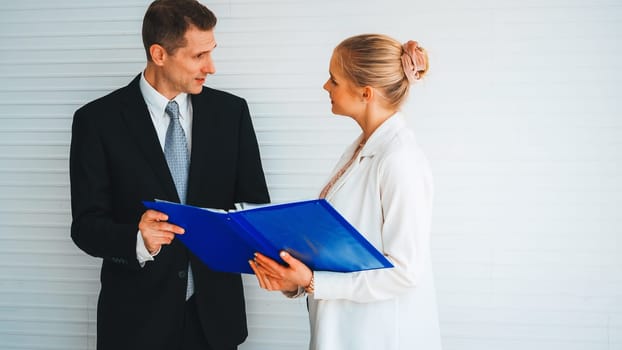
x=116 y=162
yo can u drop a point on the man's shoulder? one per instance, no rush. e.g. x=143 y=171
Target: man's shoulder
x=110 y=100
x=221 y=95
x=103 y=101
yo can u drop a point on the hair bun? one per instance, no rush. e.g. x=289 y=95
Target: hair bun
x=414 y=61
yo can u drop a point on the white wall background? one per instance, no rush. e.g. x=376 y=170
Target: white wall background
x=520 y=117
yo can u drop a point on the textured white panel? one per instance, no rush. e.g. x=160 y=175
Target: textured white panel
x=519 y=115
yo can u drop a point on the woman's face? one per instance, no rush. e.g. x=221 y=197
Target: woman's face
x=343 y=94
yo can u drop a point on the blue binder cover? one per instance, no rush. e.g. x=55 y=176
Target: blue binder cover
x=312 y=231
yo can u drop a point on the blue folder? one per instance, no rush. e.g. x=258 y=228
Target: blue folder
x=311 y=231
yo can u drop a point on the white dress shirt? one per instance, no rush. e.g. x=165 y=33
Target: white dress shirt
x=387 y=195
x=156 y=104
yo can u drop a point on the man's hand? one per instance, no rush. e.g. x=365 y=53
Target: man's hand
x=156 y=231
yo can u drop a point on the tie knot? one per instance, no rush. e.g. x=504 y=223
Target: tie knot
x=172 y=109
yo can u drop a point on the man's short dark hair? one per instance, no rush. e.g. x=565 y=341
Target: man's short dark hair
x=166 y=22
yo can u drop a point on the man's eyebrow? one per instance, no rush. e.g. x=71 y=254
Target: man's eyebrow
x=208 y=51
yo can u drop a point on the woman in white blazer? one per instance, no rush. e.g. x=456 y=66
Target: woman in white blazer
x=383 y=186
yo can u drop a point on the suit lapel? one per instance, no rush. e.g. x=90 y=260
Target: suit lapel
x=138 y=120
x=204 y=141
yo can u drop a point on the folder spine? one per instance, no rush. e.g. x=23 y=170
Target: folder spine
x=261 y=244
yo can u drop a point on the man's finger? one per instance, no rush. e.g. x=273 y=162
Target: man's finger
x=165 y=226
x=154 y=215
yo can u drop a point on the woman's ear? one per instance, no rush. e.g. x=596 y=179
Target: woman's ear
x=368 y=93
x=158 y=54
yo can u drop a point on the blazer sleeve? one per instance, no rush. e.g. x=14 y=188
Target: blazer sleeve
x=251 y=183
x=93 y=228
x=406 y=199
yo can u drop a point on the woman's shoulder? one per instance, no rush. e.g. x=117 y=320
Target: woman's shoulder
x=402 y=152
x=401 y=143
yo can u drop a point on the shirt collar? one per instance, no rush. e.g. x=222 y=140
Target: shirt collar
x=383 y=134
x=157 y=102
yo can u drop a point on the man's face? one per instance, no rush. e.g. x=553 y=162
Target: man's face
x=186 y=69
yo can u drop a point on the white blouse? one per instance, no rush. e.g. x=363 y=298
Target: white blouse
x=387 y=195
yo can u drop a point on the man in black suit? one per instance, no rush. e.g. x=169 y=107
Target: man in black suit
x=154 y=293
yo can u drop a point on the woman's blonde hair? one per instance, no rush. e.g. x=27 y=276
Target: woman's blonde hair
x=379 y=61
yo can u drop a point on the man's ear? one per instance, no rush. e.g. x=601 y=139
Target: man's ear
x=158 y=54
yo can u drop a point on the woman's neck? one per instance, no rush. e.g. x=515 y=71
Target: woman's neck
x=372 y=120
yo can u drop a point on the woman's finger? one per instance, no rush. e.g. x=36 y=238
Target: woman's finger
x=267 y=272
x=258 y=274
x=268 y=283
x=269 y=265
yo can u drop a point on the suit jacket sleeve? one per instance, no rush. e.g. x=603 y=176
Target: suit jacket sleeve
x=93 y=228
x=251 y=184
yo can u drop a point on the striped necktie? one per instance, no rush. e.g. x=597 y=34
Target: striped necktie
x=178 y=160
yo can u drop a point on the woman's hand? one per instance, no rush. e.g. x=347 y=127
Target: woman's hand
x=273 y=276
